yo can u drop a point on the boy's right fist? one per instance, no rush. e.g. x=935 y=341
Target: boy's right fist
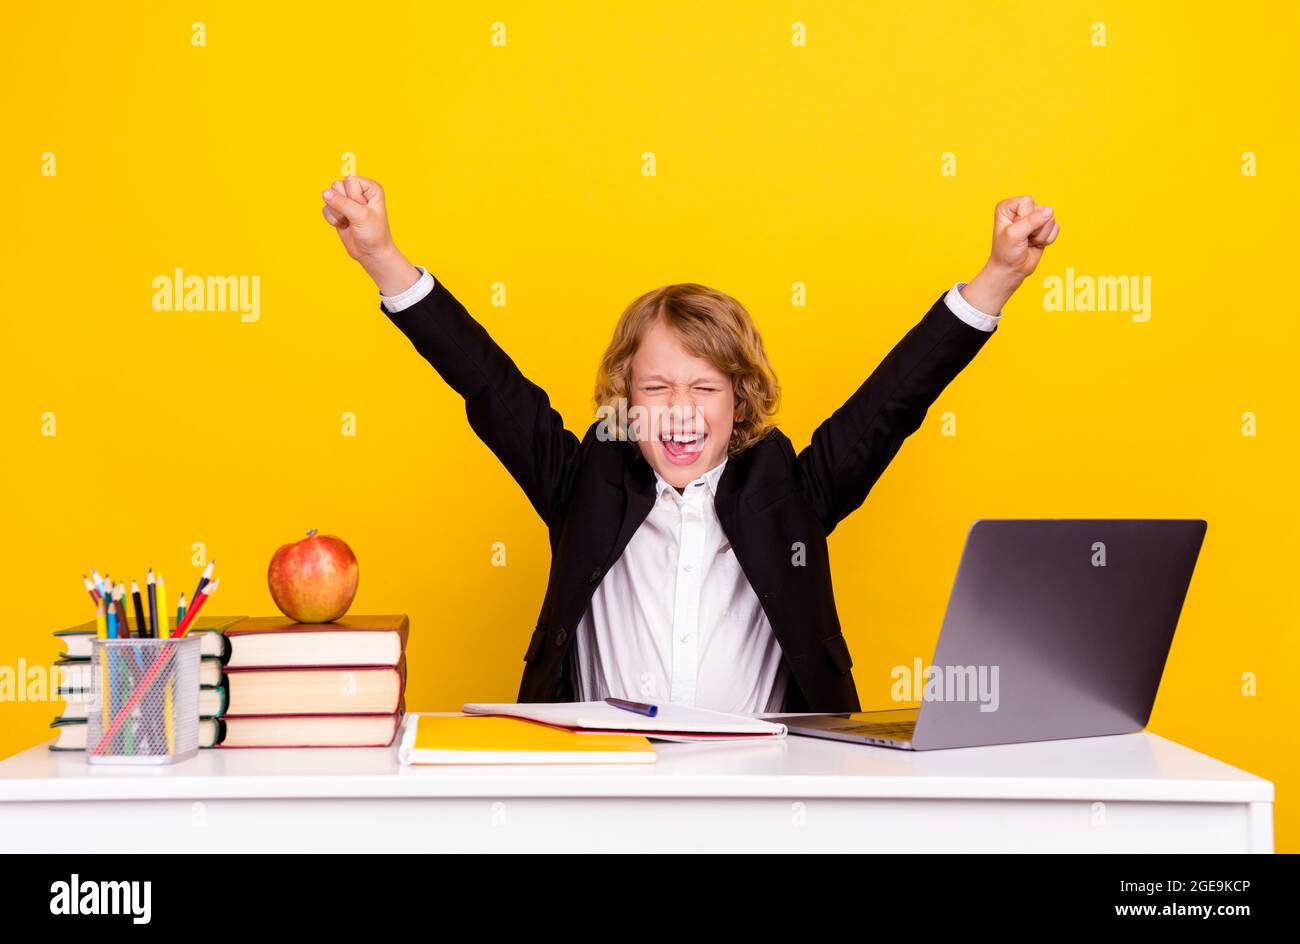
x=355 y=207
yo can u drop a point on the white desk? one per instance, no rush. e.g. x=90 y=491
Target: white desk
x=1136 y=792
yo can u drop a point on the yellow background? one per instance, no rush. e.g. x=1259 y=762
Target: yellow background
x=522 y=165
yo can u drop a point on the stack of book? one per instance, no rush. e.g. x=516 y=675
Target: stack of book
x=73 y=667
x=271 y=682
x=339 y=684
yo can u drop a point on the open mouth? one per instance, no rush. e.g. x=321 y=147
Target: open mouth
x=682 y=448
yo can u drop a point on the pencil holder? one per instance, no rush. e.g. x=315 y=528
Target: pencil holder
x=144 y=701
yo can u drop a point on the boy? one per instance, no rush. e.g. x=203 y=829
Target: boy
x=689 y=560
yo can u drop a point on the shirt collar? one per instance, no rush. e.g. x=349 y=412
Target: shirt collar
x=708 y=480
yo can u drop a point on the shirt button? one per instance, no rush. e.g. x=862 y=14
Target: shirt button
x=560 y=636
x=688 y=566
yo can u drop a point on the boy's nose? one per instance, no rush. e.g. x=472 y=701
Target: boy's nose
x=683 y=414
x=682 y=409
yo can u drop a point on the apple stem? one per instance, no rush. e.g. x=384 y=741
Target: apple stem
x=311 y=533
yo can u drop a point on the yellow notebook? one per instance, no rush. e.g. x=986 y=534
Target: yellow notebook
x=467 y=739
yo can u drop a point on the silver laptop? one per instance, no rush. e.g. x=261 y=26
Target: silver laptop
x=1056 y=628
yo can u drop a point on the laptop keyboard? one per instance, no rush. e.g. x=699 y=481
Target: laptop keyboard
x=901 y=730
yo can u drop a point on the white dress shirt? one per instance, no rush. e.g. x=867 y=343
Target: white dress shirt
x=675 y=620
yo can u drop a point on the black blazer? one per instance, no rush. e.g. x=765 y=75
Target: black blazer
x=593 y=494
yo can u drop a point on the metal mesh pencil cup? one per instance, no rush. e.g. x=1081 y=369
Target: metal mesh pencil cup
x=144 y=701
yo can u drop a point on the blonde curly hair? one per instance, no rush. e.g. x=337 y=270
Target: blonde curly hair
x=711 y=325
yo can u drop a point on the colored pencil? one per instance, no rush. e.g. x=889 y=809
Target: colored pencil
x=110 y=689
x=205 y=578
x=107 y=690
x=169 y=716
x=164 y=630
x=171 y=684
x=141 y=629
x=153 y=605
x=101 y=631
x=125 y=674
x=141 y=632
x=119 y=601
x=90 y=588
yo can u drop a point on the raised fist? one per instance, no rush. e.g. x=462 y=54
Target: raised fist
x=355 y=207
x=1021 y=231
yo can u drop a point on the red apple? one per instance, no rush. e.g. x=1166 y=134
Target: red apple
x=313 y=580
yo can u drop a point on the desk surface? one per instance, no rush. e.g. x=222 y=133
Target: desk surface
x=1137 y=767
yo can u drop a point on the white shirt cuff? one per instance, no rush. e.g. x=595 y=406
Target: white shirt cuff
x=968 y=312
x=422 y=287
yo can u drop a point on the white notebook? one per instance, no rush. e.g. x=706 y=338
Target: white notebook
x=672 y=723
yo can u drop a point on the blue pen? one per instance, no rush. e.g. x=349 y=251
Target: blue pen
x=640 y=707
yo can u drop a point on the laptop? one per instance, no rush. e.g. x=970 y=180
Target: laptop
x=1056 y=628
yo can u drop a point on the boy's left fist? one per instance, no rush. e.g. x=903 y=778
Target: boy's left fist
x=1021 y=231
